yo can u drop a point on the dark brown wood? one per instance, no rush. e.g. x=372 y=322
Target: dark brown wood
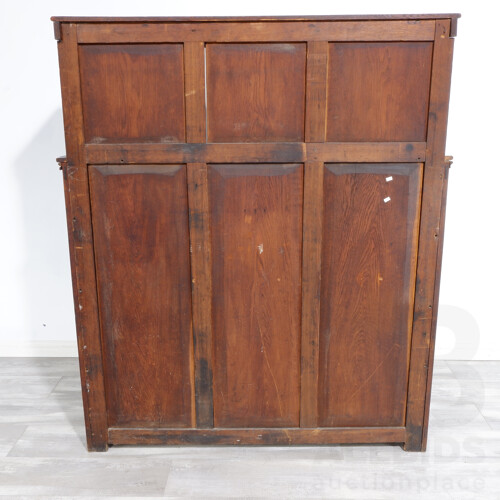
x=317 y=74
x=393 y=107
x=194 y=81
x=298 y=31
x=255 y=211
x=436 y=300
x=256 y=214
x=201 y=286
x=311 y=291
x=76 y=190
x=338 y=152
x=62 y=161
x=434 y=175
x=141 y=240
x=133 y=92
x=57 y=30
x=367 y=285
x=203 y=19
x=245 y=79
x=259 y=436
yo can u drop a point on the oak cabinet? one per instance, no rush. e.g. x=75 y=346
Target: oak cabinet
x=255 y=216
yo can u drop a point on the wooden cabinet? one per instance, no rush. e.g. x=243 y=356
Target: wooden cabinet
x=255 y=216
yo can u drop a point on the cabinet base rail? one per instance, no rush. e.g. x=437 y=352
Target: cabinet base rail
x=256 y=436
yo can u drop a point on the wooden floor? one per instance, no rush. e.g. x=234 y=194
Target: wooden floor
x=42 y=452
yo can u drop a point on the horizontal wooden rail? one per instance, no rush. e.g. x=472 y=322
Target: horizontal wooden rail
x=333 y=31
x=262 y=152
x=274 y=436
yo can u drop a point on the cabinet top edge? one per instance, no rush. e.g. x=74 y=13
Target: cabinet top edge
x=364 y=17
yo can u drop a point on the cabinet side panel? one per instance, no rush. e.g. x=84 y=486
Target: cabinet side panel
x=256 y=213
x=141 y=235
x=370 y=235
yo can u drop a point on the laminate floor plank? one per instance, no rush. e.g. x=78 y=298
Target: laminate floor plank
x=475 y=370
x=51 y=367
x=31 y=386
x=9 y=435
x=43 y=454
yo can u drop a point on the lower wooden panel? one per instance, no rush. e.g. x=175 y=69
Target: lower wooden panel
x=256 y=227
x=275 y=437
x=141 y=237
x=370 y=231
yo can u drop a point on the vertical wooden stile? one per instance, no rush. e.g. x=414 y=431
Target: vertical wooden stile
x=316 y=91
x=315 y=131
x=436 y=303
x=201 y=286
x=311 y=290
x=78 y=214
x=430 y=235
x=194 y=91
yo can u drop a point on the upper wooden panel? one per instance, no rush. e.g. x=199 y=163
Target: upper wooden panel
x=256 y=92
x=378 y=91
x=133 y=93
x=141 y=237
x=370 y=232
x=256 y=214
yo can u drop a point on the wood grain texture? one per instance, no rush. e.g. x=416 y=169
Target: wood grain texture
x=256 y=213
x=434 y=174
x=201 y=286
x=435 y=305
x=78 y=215
x=133 y=92
x=311 y=292
x=259 y=436
x=266 y=213
x=368 y=266
x=255 y=92
x=194 y=91
x=338 y=152
x=202 y=19
x=316 y=89
x=141 y=239
x=378 y=91
x=299 y=31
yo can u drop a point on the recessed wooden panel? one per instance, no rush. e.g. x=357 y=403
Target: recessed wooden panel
x=256 y=214
x=141 y=237
x=370 y=233
x=133 y=92
x=256 y=92
x=378 y=91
